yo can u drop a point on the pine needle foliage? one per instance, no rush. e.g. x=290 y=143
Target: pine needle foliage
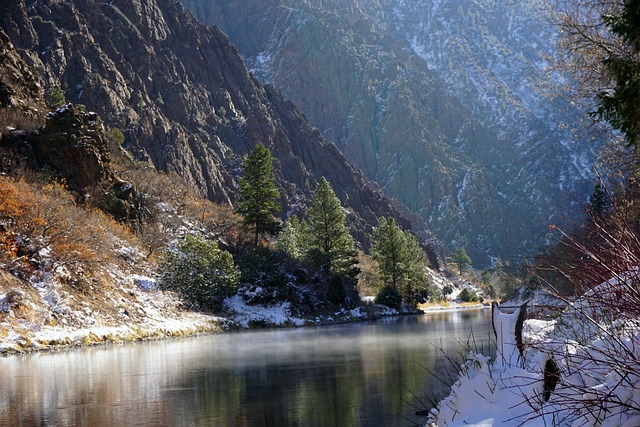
x=620 y=106
x=461 y=258
x=400 y=259
x=331 y=245
x=258 y=195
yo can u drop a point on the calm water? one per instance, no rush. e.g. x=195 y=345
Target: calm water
x=360 y=374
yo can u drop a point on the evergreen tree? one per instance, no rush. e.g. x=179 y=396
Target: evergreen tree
x=292 y=238
x=400 y=259
x=599 y=203
x=461 y=258
x=620 y=107
x=258 y=196
x=389 y=250
x=330 y=244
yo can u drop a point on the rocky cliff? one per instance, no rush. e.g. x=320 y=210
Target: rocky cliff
x=437 y=101
x=183 y=98
x=21 y=95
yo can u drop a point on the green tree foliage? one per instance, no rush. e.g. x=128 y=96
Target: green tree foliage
x=264 y=281
x=401 y=260
x=461 y=258
x=447 y=290
x=620 y=107
x=389 y=249
x=330 y=244
x=203 y=274
x=257 y=202
x=55 y=97
x=389 y=297
x=469 y=296
x=599 y=203
x=292 y=239
x=116 y=137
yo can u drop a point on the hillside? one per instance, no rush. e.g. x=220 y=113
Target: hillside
x=183 y=98
x=445 y=104
x=85 y=225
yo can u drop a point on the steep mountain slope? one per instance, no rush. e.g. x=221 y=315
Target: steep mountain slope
x=437 y=101
x=182 y=96
x=71 y=275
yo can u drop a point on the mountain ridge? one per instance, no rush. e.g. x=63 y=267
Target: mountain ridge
x=485 y=169
x=184 y=99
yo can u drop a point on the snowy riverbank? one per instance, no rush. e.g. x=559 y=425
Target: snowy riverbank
x=577 y=370
x=147 y=314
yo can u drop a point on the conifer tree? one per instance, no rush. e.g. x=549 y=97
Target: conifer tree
x=389 y=250
x=620 y=106
x=461 y=258
x=400 y=259
x=257 y=202
x=292 y=238
x=330 y=244
x=599 y=203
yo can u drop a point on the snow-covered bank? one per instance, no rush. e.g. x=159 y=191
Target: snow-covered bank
x=558 y=380
x=42 y=317
x=452 y=306
x=56 y=337
x=26 y=322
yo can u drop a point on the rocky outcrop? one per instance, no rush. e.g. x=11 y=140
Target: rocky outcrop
x=72 y=143
x=183 y=98
x=439 y=102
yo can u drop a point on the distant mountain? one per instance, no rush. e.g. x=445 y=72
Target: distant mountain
x=442 y=102
x=183 y=98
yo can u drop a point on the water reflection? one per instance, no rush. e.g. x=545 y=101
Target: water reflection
x=344 y=375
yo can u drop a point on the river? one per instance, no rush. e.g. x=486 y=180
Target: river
x=356 y=374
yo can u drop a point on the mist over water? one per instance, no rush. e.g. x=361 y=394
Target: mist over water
x=357 y=374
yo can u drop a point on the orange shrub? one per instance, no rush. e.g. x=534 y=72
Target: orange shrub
x=33 y=219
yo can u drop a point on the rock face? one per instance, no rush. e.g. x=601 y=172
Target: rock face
x=438 y=101
x=183 y=98
x=21 y=96
x=73 y=144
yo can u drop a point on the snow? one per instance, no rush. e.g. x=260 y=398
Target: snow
x=599 y=382
x=506 y=349
x=145 y=283
x=276 y=314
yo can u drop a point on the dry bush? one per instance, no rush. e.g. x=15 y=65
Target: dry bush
x=167 y=204
x=601 y=249
x=369 y=282
x=41 y=228
x=596 y=271
x=17 y=118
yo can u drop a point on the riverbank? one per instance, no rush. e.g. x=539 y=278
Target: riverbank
x=164 y=318
x=452 y=306
x=51 y=338
x=42 y=316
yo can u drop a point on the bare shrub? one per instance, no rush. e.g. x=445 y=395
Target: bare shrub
x=42 y=228
x=597 y=346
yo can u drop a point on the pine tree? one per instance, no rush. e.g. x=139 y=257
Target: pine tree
x=330 y=244
x=599 y=203
x=461 y=258
x=620 y=107
x=389 y=249
x=258 y=196
x=400 y=259
x=292 y=238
